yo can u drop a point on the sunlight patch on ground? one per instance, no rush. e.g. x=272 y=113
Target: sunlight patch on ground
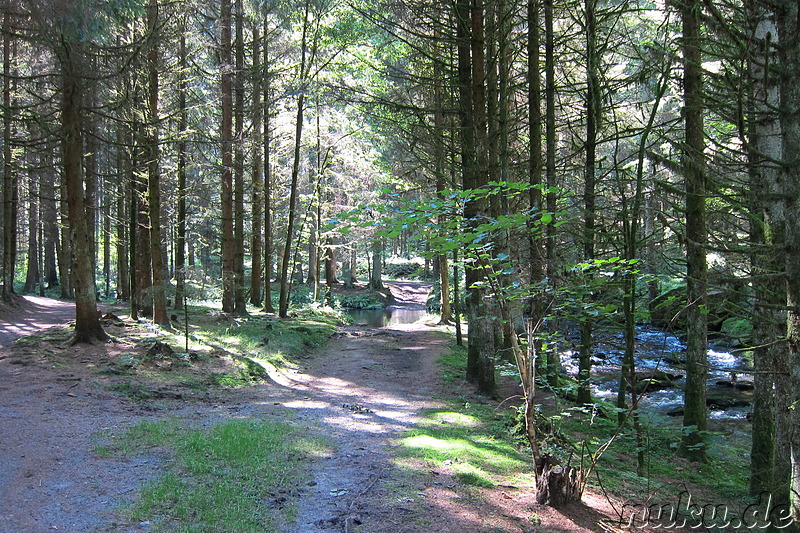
x=401 y=417
x=456 y=419
x=350 y=423
x=306 y=404
x=429 y=443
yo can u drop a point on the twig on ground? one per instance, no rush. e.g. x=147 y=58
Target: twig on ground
x=358 y=496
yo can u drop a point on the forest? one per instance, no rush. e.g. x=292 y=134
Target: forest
x=565 y=172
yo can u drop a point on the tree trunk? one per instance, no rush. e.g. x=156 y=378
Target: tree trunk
x=283 y=305
x=240 y=296
x=375 y=281
x=33 y=274
x=535 y=242
x=472 y=110
x=143 y=270
x=180 y=241
x=268 y=307
x=350 y=278
x=121 y=215
x=87 y=319
x=48 y=192
x=10 y=186
x=695 y=417
x=589 y=197
x=446 y=315
x=788 y=396
x=258 y=180
x=769 y=291
x=226 y=133
x=106 y=210
x=90 y=174
x=553 y=357
x=330 y=262
x=154 y=176
x=64 y=248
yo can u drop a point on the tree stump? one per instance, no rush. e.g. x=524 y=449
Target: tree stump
x=159 y=350
x=557 y=485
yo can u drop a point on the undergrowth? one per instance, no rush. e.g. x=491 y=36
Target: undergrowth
x=484 y=445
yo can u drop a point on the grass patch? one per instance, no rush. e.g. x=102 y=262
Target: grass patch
x=453 y=364
x=280 y=342
x=235 y=476
x=472 y=441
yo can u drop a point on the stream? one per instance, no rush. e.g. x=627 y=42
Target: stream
x=729 y=389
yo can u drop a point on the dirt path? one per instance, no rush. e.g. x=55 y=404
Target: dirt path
x=34 y=314
x=360 y=392
x=356 y=389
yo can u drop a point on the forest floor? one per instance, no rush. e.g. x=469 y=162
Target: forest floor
x=362 y=391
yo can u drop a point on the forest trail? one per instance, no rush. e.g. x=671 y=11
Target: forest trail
x=34 y=313
x=359 y=394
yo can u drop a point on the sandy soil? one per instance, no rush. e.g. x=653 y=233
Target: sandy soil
x=365 y=388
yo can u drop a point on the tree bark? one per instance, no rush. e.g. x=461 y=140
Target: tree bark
x=33 y=274
x=226 y=134
x=788 y=397
x=536 y=252
x=64 y=248
x=87 y=319
x=268 y=307
x=258 y=179
x=589 y=195
x=553 y=357
x=446 y=315
x=153 y=174
x=240 y=297
x=180 y=240
x=769 y=291
x=10 y=179
x=375 y=282
x=695 y=415
x=472 y=110
x=48 y=192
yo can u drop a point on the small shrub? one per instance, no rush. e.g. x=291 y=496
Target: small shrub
x=358 y=301
x=398 y=268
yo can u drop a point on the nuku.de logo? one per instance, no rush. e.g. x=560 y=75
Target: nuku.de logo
x=685 y=513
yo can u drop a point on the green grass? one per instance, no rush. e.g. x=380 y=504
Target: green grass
x=473 y=441
x=225 y=478
x=280 y=342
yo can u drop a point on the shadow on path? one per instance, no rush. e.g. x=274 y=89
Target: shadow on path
x=35 y=313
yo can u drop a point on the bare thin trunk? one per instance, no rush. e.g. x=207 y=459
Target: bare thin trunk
x=283 y=306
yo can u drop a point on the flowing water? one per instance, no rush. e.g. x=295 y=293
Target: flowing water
x=729 y=384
